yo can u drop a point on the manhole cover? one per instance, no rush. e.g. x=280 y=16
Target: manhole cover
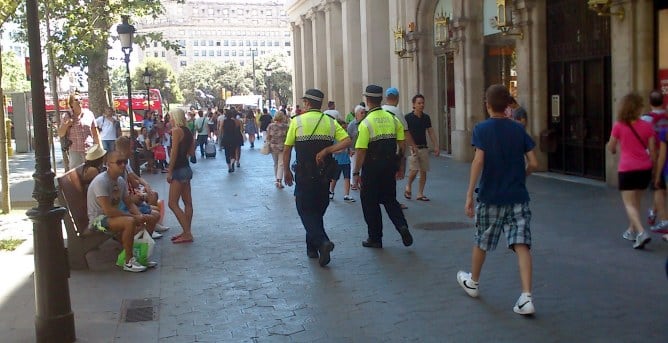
x=440 y=226
x=139 y=310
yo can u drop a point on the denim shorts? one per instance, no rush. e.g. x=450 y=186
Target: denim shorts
x=101 y=224
x=343 y=169
x=182 y=174
x=492 y=220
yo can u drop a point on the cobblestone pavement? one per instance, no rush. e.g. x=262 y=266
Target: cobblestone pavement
x=246 y=278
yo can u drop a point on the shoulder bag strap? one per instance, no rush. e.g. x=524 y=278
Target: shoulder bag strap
x=635 y=133
x=316 y=126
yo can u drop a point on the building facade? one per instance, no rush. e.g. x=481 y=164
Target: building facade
x=566 y=61
x=218 y=31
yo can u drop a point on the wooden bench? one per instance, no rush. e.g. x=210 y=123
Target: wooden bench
x=80 y=239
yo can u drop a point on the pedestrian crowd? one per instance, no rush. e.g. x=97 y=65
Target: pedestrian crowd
x=371 y=147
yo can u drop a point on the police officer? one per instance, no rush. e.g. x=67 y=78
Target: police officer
x=313 y=134
x=376 y=150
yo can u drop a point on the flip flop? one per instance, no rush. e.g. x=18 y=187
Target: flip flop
x=175 y=237
x=182 y=240
x=407 y=195
x=403 y=207
x=422 y=198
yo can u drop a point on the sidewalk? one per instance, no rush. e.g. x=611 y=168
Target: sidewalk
x=246 y=277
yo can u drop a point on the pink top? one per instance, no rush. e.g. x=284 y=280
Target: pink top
x=633 y=154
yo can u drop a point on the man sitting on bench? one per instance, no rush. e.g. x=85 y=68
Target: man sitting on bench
x=140 y=191
x=105 y=194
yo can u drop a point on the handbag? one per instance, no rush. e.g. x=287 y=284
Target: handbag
x=142 y=249
x=159 y=153
x=265 y=148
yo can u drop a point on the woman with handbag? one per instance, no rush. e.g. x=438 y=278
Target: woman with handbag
x=179 y=175
x=80 y=130
x=636 y=140
x=276 y=132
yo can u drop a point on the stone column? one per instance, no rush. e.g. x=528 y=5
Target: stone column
x=297 y=78
x=375 y=22
x=531 y=81
x=469 y=80
x=307 y=54
x=352 y=68
x=319 y=51
x=334 y=54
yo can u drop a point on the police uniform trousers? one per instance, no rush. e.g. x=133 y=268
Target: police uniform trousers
x=379 y=186
x=312 y=199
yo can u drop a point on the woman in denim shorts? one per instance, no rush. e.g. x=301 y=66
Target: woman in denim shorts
x=179 y=175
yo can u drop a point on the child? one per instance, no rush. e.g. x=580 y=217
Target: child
x=342 y=158
x=503 y=201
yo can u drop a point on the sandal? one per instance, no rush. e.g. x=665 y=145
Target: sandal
x=181 y=240
x=176 y=237
x=422 y=198
x=407 y=195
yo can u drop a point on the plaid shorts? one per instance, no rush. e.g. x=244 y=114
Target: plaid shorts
x=492 y=220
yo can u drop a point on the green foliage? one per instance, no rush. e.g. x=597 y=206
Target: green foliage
x=7 y=9
x=160 y=71
x=10 y=244
x=13 y=74
x=212 y=78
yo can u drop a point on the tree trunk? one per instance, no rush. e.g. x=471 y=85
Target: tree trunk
x=98 y=73
x=4 y=159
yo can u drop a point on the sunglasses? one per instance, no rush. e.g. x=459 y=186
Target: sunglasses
x=120 y=162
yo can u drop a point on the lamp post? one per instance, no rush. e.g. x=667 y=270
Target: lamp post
x=168 y=91
x=147 y=82
x=54 y=320
x=253 y=51
x=126 y=32
x=268 y=73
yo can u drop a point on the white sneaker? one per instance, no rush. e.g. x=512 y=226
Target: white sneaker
x=161 y=228
x=156 y=235
x=348 y=198
x=629 y=235
x=133 y=266
x=524 y=305
x=642 y=239
x=665 y=237
x=331 y=195
x=151 y=264
x=469 y=286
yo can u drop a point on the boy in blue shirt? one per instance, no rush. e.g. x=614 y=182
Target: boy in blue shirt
x=501 y=146
x=343 y=161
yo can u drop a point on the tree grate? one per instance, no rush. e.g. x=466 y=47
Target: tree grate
x=139 y=310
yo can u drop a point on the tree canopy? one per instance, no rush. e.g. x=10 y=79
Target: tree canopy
x=13 y=74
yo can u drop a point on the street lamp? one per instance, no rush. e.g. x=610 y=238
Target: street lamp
x=168 y=91
x=125 y=33
x=147 y=82
x=268 y=73
x=54 y=320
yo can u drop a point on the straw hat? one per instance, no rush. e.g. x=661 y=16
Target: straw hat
x=95 y=152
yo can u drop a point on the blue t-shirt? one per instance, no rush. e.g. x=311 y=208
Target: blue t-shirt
x=505 y=143
x=342 y=157
x=663 y=137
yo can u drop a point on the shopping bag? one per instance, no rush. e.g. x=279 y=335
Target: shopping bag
x=142 y=248
x=265 y=148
